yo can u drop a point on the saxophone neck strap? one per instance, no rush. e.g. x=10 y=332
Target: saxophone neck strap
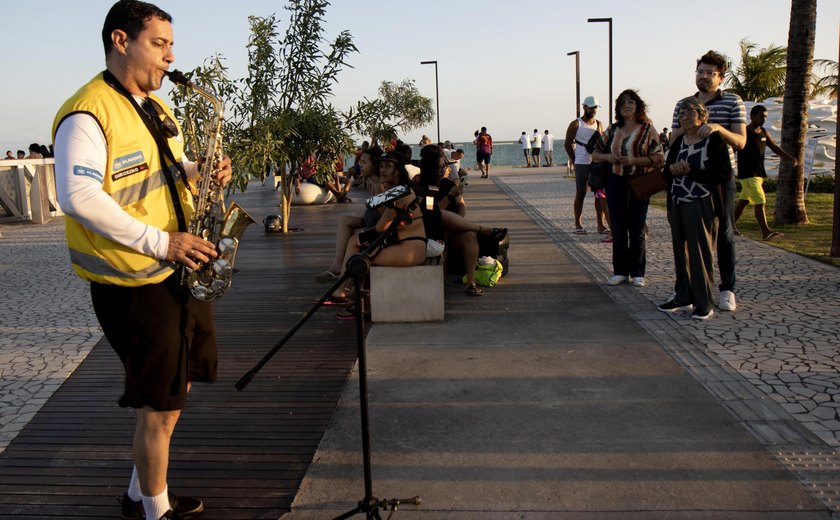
x=166 y=155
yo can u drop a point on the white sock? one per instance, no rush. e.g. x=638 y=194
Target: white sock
x=134 y=492
x=157 y=506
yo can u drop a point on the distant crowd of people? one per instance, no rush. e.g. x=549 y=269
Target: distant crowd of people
x=531 y=147
x=36 y=151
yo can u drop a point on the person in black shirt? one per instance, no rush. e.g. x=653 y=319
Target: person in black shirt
x=751 y=171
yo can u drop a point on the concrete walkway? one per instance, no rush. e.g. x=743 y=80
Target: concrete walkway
x=555 y=397
x=552 y=396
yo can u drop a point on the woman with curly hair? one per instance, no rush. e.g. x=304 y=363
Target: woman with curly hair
x=633 y=149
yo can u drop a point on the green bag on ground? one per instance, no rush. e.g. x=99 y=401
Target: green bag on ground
x=487 y=275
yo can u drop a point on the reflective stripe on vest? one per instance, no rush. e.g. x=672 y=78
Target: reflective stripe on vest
x=134 y=179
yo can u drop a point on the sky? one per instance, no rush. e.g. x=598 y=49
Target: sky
x=501 y=64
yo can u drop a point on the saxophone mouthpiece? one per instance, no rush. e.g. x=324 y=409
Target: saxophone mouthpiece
x=176 y=76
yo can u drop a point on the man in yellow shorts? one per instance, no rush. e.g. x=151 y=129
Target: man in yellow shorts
x=751 y=171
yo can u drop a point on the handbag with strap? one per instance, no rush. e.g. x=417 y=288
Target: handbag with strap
x=647 y=184
x=599 y=171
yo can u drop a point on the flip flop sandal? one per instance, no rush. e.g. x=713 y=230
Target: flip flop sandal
x=580 y=231
x=332 y=300
x=473 y=290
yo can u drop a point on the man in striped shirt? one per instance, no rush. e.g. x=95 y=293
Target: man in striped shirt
x=728 y=117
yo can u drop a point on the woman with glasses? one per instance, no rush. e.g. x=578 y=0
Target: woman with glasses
x=696 y=170
x=634 y=149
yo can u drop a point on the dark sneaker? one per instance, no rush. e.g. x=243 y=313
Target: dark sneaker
x=672 y=306
x=183 y=507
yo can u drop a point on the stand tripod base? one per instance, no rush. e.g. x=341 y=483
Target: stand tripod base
x=370 y=508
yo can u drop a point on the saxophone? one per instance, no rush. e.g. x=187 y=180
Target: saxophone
x=210 y=221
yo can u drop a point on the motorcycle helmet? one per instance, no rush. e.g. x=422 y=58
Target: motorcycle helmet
x=273 y=223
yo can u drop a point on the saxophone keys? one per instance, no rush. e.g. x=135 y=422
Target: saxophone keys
x=221 y=267
x=225 y=244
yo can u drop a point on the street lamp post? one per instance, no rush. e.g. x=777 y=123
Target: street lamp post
x=437 y=96
x=577 y=79
x=609 y=21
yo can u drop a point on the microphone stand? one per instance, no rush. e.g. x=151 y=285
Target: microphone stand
x=358 y=267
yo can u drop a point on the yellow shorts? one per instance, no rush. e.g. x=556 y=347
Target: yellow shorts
x=752 y=190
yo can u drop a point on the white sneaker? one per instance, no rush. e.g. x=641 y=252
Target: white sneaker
x=698 y=314
x=638 y=281
x=617 y=279
x=727 y=301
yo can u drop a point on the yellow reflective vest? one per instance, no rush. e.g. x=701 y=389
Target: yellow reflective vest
x=132 y=177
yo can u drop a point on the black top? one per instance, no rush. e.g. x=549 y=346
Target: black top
x=751 y=158
x=711 y=168
x=432 y=221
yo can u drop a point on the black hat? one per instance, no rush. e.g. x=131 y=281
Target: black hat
x=393 y=156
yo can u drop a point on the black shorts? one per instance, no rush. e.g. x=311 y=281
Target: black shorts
x=164 y=338
x=535 y=151
x=482 y=157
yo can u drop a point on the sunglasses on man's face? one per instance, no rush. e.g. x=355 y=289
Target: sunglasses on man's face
x=165 y=123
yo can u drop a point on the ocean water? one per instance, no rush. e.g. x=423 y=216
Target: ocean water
x=504 y=154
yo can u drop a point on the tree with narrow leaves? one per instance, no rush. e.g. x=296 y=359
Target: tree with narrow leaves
x=280 y=112
x=399 y=108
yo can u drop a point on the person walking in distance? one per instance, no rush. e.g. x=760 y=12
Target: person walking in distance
x=484 y=149
x=577 y=135
x=727 y=116
x=123 y=183
x=751 y=172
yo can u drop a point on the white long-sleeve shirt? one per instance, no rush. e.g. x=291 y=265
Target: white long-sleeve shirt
x=80 y=162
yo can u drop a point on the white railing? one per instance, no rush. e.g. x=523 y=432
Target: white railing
x=27 y=190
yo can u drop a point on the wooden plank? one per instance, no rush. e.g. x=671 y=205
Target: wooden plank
x=244 y=453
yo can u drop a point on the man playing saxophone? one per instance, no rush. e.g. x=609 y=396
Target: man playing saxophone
x=121 y=177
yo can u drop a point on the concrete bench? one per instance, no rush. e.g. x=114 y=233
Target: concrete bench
x=406 y=294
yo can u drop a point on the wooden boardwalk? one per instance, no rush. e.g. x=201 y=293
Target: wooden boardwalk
x=244 y=453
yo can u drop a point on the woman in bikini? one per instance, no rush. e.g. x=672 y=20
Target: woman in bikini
x=408 y=245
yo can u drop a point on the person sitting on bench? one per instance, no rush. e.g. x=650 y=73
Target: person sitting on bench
x=408 y=245
x=445 y=219
x=347 y=224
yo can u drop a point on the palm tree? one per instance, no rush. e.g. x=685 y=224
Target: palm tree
x=790 y=196
x=826 y=85
x=759 y=76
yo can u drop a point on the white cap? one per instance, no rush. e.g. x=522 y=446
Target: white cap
x=591 y=102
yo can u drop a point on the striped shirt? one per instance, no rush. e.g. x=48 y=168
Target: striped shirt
x=725 y=109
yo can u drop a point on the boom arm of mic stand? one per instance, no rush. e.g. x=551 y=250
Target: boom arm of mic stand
x=246 y=379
